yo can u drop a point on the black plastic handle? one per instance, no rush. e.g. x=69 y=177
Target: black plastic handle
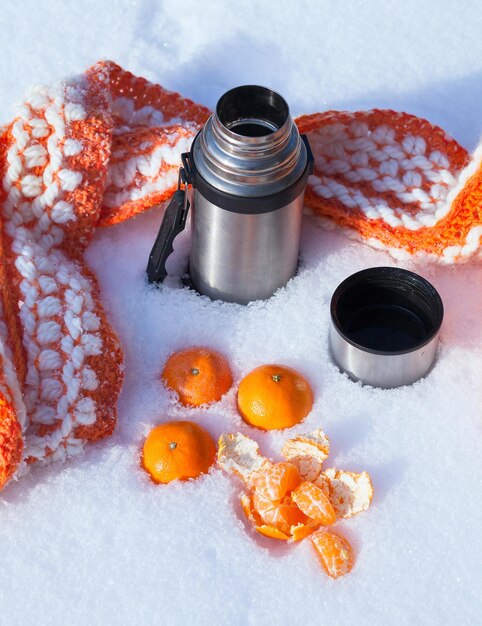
x=173 y=223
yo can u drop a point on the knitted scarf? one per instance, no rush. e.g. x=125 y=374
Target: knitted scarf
x=96 y=150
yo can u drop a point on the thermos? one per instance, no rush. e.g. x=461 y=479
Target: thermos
x=248 y=168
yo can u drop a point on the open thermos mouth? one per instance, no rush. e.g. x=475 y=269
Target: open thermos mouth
x=252 y=111
x=250 y=147
x=385 y=326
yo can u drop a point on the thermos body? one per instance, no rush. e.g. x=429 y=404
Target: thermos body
x=239 y=257
x=247 y=171
x=249 y=168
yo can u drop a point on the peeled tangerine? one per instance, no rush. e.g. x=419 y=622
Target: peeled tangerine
x=277 y=520
x=271 y=507
x=283 y=514
x=291 y=500
x=334 y=551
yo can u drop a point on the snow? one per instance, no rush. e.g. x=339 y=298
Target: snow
x=94 y=541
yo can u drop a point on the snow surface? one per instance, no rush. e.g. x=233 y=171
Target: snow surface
x=93 y=541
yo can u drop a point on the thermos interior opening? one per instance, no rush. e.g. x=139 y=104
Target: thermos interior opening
x=252 y=111
x=387 y=310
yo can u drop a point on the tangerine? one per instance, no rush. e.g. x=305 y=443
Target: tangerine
x=274 y=397
x=177 y=450
x=336 y=554
x=198 y=375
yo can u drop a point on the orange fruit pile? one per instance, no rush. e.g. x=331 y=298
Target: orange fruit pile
x=294 y=499
x=274 y=396
x=289 y=500
x=198 y=375
x=177 y=451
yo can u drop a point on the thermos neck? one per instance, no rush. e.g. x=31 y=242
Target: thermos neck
x=250 y=146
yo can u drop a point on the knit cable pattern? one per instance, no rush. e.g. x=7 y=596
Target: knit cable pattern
x=94 y=150
x=397 y=181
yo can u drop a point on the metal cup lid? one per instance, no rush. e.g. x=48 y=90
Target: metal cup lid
x=385 y=326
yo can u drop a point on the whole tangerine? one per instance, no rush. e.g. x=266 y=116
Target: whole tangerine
x=177 y=451
x=198 y=375
x=274 y=396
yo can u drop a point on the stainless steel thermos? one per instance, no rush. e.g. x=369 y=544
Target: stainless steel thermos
x=248 y=168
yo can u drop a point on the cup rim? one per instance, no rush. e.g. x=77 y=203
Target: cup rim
x=391 y=273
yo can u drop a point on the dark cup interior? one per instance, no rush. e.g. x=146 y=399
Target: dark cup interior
x=252 y=111
x=387 y=310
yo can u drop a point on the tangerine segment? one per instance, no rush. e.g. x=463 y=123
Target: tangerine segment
x=282 y=515
x=264 y=506
x=349 y=493
x=240 y=455
x=312 y=501
x=335 y=553
x=307 y=452
x=277 y=480
x=274 y=396
x=177 y=450
x=301 y=531
x=272 y=532
x=198 y=376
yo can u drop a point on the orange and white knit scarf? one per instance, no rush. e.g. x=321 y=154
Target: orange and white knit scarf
x=100 y=148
